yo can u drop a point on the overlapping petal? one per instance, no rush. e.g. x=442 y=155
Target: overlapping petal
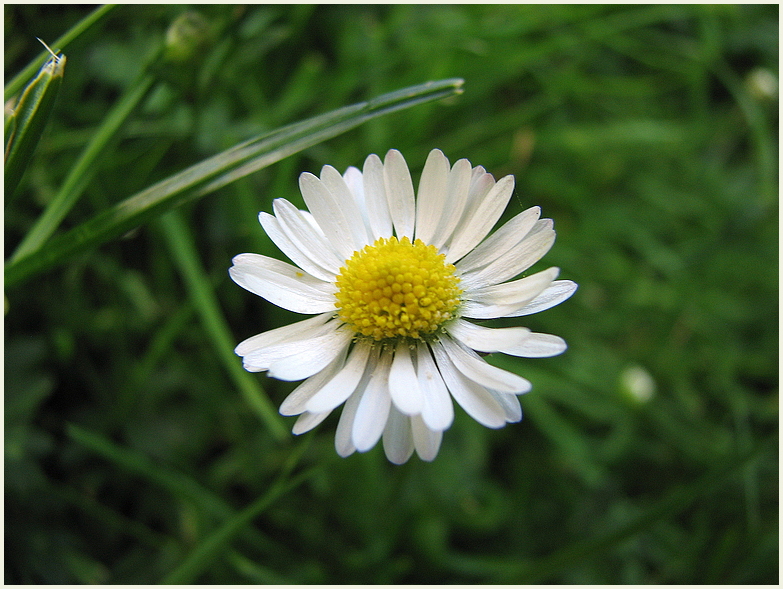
x=518 y=259
x=403 y=381
x=487 y=339
x=294 y=253
x=472 y=397
x=458 y=192
x=501 y=300
x=437 y=410
x=397 y=437
x=378 y=214
x=475 y=228
x=298 y=227
x=399 y=192
x=474 y=367
x=553 y=295
x=344 y=383
x=330 y=215
x=500 y=242
x=282 y=284
x=373 y=409
x=431 y=196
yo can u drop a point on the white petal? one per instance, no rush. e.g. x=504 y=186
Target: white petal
x=538 y=345
x=431 y=197
x=510 y=404
x=397 y=438
x=474 y=399
x=476 y=226
x=355 y=180
x=427 y=441
x=276 y=233
x=480 y=184
x=307 y=362
x=437 y=410
x=517 y=292
x=500 y=242
x=347 y=204
x=325 y=207
x=487 y=339
x=298 y=226
x=403 y=382
x=557 y=292
x=344 y=383
x=295 y=402
x=375 y=197
x=292 y=332
x=399 y=192
x=282 y=284
x=478 y=370
x=518 y=259
x=262 y=357
x=456 y=201
x=502 y=300
x=342 y=437
x=308 y=421
x=373 y=409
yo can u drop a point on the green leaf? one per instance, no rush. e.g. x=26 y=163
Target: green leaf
x=23 y=128
x=217 y=171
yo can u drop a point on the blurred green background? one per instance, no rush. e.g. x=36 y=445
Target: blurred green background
x=648 y=452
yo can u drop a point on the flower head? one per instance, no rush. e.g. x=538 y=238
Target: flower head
x=391 y=277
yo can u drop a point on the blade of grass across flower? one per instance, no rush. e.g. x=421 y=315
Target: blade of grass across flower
x=19 y=80
x=24 y=126
x=217 y=171
x=203 y=296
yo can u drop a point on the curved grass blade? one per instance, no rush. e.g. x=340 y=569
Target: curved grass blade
x=18 y=81
x=25 y=125
x=217 y=171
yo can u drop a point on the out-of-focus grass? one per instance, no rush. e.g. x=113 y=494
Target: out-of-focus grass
x=648 y=133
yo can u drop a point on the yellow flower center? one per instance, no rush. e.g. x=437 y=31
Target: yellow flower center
x=395 y=288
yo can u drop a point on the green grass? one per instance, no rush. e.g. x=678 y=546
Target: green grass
x=136 y=452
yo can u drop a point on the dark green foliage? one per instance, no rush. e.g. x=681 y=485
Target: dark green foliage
x=648 y=133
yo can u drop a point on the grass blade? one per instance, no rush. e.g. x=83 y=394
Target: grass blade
x=178 y=484
x=217 y=171
x=186 y=258
x=83 y=170
x=25 y=126
x=201 y=556
x=78 y=29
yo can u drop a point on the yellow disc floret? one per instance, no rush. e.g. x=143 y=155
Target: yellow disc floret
x=395 y=288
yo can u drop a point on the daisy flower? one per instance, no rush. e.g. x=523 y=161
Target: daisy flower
x=392 y=277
